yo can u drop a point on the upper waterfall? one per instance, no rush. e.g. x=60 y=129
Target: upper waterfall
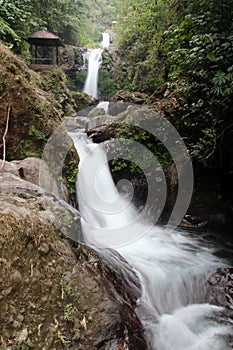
x=105 y=43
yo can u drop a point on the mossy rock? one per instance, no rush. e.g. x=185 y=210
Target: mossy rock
x=83 y=101
x=32 y=112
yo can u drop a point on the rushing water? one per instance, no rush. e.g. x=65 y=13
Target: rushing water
x=105 y=43
x=172 y=266
x=94 y=62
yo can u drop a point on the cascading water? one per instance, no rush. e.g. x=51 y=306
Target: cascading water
x=105 y=43
x=172 y=267
x=94 y=63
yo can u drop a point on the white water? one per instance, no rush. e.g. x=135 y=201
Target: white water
x=105 y=43
x=94 y=58
x=171 y=266
x=104 y=105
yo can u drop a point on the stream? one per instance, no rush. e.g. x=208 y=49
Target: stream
x=173 y=266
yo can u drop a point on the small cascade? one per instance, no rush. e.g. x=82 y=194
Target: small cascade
x=172 y=266
x=105 y=43
x=94 y=58
x=104 y=105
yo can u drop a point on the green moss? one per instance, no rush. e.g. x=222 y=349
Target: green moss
x=70 y=170
x=106 y=59
x=37 y=134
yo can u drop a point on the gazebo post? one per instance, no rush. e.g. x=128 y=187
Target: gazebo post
x=57 y=55
x=54 y=55
x=36 y=54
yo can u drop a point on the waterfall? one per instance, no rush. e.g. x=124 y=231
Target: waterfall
x=172 y=266
x=105 y=43
x=94 y=58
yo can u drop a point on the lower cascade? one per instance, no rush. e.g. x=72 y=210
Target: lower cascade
x=172 y=266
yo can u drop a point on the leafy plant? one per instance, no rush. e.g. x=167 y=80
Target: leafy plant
x=69 y=309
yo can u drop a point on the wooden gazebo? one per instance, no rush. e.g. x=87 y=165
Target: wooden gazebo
x=44 y=48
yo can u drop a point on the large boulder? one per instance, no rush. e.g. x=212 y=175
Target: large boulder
x=48 y=298
x=84 y=103
x=55 y=293
x=101 y=128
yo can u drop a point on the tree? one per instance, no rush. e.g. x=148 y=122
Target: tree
x=140 y=35
x=199 y=51
x=16 y=19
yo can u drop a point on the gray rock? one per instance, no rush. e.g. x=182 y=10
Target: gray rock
x=96 y=111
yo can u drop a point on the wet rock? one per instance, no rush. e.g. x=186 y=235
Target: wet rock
x=220 y=288
x=116 y=108
x=103 y=128
x=98 y=124
x=133 y=97
x=96 y=111
x=83 y=101
x=121 y=281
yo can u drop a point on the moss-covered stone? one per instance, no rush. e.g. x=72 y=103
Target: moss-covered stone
x=48 y=298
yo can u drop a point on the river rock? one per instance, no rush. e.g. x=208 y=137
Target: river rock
x=96 y=111
x=220 y=288
x=105 y=127
x=83 y=101
x=118 y=107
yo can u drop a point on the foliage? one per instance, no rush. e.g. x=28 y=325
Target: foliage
x=140 y=33
x=129 y=135
x=75 y=21
x=7 y=34
x=78 y=81
x=37 y=134
x=199 y=50
x=107 y=87
x=69 y=310
x=16 y=19
x=189 y=45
